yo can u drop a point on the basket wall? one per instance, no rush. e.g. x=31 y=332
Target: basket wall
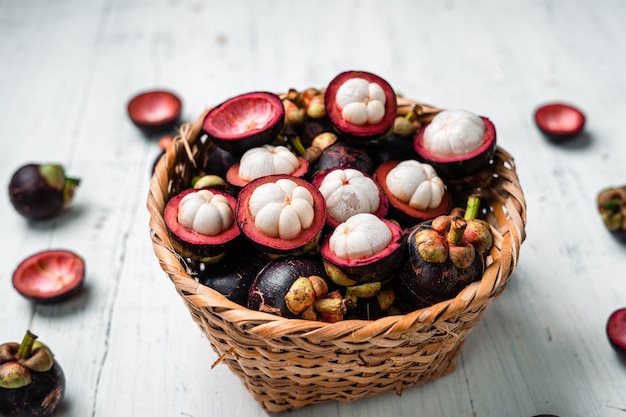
x=287 y=363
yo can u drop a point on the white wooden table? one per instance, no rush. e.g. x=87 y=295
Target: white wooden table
x=127 y=343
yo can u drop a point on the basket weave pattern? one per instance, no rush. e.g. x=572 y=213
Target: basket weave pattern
x=288 y=363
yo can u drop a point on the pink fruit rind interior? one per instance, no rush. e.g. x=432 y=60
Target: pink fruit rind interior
x=243 y=116
x=47 y=274
x=616 y=328
x=559 y=119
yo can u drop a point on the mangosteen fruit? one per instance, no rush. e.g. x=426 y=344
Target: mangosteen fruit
x=392 y=148
x=457 y=143
x=364 y=306
x=32 y=383
x=611 y=204
x=263 y=161
x=233 y=275
x=414 y=190
x=293 y=288
x=281 y=214
x=348 y=192
x=345 y=155
x=201 y=223
x=364 y=248
x=245 y=121
x=361 y=106
x=40 y=191
x=440 y=262
x=560 y=121
x=616 y=330
x=155 y=110
x=49 y=276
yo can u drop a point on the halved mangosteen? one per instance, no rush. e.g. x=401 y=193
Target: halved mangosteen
x=201 y=223
x=560 y=121
x=457 y=143
x=155 y=110
x=263 y=161
x=49 y=276
x=348 y=192
x=281 y=214
x=414 y=190
x=364 y=248
x=361 y=105
x=245 y=121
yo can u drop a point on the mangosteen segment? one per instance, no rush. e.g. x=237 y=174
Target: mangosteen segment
x=280 y=213
x=263 y=161
x=49 y=276
x=414 y=191
x=39 y=191
x=364 y=248
x=361 y=105
x=457 y=143
x=348 y=192
x=245 y=121
x=201 y=222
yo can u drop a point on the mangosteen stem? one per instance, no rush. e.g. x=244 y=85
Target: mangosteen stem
x=473 y=207
x=26 y=346
x=457 y=228
x=297 y=145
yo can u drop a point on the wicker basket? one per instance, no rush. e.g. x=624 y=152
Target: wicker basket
x=288 y=363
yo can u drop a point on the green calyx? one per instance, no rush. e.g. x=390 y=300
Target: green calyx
x=55 y=177
x=20 y=360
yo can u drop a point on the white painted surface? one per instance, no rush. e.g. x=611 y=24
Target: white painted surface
x=127 y=344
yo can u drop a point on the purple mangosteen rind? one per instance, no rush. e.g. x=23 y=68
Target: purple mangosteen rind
x=40 y=191
x=306 y=242
x=272 y=283
x=366 y=132
x=435 y=281
x=32 y=382
x=379 y=267
x=461 y=166
x=220 y=123
x=383 y=206
x=191 y=244
x=343 y=154
x=233 y=275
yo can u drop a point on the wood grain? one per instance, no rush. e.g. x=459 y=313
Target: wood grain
x=127 y=343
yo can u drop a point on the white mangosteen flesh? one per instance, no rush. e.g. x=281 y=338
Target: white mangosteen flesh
x=348 y=192
x=205 y=212
x=361 y=102
x=416 y=184
x=267 y=160
x=454 y=133
x=361 y=236
x=282 y=209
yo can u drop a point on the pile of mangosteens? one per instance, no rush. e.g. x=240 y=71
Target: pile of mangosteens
x=333 y=204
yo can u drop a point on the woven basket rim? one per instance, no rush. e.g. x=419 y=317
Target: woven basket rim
x=511 y=222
